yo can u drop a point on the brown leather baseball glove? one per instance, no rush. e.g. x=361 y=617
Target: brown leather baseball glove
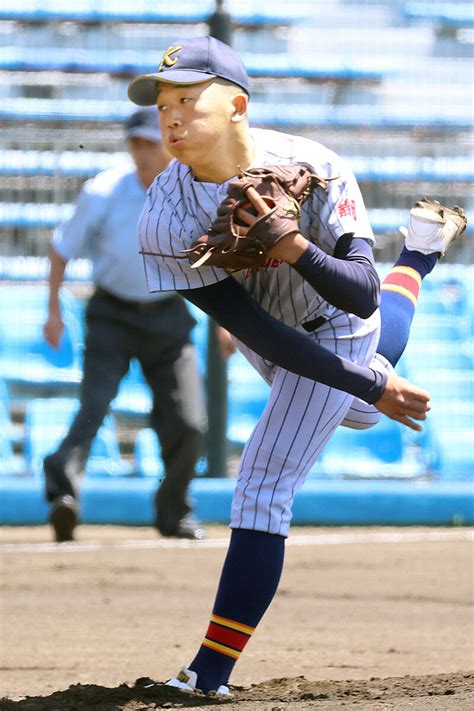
x=262 y=206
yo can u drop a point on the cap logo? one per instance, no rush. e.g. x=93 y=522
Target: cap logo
x=168 y=60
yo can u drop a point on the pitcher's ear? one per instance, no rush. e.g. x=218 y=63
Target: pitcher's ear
x=240 y=102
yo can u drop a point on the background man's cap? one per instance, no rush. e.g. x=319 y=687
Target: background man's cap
x=191 y=61
x=144 y=124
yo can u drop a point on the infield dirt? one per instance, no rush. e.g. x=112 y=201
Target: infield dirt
x=364 y=618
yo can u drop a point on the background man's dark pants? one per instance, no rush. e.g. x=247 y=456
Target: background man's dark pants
x=158 y=335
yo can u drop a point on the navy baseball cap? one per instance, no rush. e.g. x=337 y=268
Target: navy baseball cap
x=191 y=61
x=144 y=124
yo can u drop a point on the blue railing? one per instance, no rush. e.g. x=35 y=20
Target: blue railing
x=367 y=168
x=418 y=117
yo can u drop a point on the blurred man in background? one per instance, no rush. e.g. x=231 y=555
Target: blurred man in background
x=125 y=321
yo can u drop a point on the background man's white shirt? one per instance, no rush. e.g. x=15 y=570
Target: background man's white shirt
x=103 y=228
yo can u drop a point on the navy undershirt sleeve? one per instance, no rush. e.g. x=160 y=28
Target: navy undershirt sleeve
x=232 y=307
x=347 y=280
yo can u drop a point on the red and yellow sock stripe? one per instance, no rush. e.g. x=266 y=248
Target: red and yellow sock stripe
x=227 y=636
x=405 y=281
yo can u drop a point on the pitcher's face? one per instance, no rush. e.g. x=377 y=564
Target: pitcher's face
x=195 y=120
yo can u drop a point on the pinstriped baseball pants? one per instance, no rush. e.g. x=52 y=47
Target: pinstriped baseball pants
x=297 y=422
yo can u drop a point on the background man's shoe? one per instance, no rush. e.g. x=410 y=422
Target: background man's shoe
x=432 y=227
x=57 y=483
x=187 y=527
x=63 y=518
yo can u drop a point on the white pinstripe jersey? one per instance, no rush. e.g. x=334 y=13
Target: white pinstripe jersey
x=179 y=209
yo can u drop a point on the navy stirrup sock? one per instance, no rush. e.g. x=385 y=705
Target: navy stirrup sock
x=249 y=580
x=399 y=295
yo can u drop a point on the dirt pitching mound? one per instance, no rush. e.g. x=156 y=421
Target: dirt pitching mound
x=430 y=692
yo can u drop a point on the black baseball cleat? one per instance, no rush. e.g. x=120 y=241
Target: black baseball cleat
x=63 y=518
x=188 y=527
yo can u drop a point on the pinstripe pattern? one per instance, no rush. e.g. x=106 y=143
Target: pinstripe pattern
x=179 y=209
x=299 y=419
x=360 y=415
x=301 y=414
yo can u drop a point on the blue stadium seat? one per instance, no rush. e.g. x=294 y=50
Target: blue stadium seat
x=35 y=269
x=446 y=296
x=367 y=168
x=396 y=168
x=46 y=215
x=271 y=115
x=147 y=454
x=356 y=115
x=49 y=215
x=80 y=164
x=456 y=453
x=437 y=306
x=458 y=14
x=6 y=424
x=437 y=354
x=134 y=398
x=199 y=335
x=247 y=396
x=453 y=426
x=445 y=384
x=387 y=220
x=25 y=357
x=452 y=416
x=24 y=338
x=131 y=63
x=388 y=450
x=440 y=327
x=10 y=463
x=47 y=421
x=452 y=423
x=31 y=296
x=157 y=11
